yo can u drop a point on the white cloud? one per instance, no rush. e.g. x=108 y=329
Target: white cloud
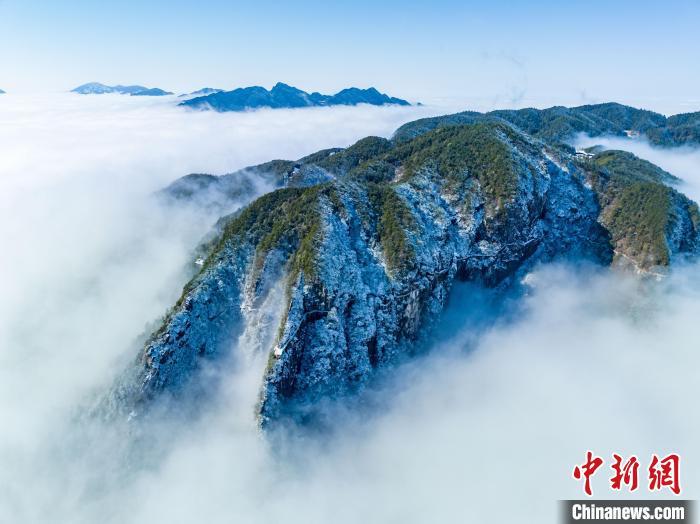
x=88 y=258
x=484 y=428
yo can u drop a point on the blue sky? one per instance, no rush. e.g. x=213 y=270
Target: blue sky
x=511 y=53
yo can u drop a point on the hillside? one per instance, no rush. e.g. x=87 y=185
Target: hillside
x=368 y=241
x=557 y=124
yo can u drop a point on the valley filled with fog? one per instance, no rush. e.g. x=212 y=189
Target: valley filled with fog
x=486 y=425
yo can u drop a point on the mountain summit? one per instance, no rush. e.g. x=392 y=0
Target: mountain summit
x=286 y=96
x=367 y=242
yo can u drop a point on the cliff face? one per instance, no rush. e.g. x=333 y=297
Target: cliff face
x=364 y=306
x=369 y=240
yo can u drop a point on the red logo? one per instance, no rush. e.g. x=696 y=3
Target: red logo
x=627 y=473
x=663 y=472
x=587 y=470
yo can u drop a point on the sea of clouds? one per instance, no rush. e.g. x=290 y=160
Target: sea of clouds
x=486 y=427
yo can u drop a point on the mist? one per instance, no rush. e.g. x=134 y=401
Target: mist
x=485 y=427
x=90 y=259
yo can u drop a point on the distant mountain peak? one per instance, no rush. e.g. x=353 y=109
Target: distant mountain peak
x=91 y=88
x=2 y=92
x=286 y=96
x=282 y=87
x=154 y=91
x=201 y=92
x=96 y=88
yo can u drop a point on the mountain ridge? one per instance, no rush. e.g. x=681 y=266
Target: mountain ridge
x=559 y=123
x=201 y=92
x=96 y=88
x=285 y=96
x=368 y=241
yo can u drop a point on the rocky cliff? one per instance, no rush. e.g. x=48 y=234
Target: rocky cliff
x=367 y=242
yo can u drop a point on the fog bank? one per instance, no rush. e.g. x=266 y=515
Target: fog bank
x=90 y=259
x=486 y=427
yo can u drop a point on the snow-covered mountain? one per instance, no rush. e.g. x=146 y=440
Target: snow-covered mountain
x=366 y=243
